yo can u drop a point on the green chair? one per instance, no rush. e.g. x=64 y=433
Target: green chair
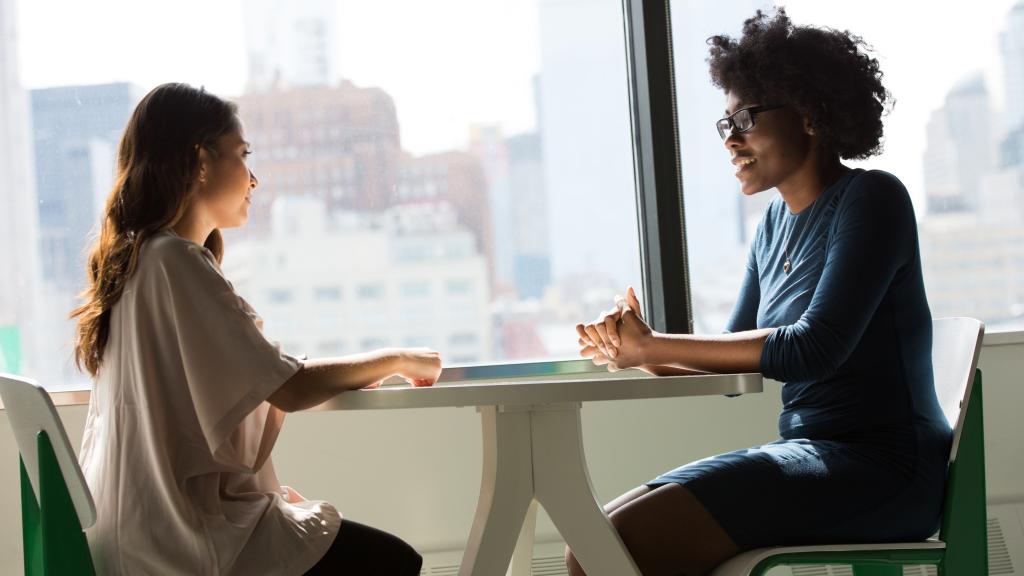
x=56 y=505
x=961 y=548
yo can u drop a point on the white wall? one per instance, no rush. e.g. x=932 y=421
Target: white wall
x=417 y=472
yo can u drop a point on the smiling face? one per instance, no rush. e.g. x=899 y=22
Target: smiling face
x=771 y=153
x=226 y=194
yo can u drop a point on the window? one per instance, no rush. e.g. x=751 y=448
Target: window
x=370 y=291
x=463 y=339
x=954 y=139
x=330 y=348
x=485 y=156
x=327 y=294
x=280 y=296
x=415 y=289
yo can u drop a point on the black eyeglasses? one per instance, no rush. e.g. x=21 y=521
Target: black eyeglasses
x=741 y=120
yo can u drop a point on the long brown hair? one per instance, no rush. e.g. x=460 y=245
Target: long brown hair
x=157 y=164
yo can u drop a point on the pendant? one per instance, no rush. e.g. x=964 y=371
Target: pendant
x=785 y=266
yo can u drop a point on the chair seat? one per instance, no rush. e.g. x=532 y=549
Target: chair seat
x=742 y=564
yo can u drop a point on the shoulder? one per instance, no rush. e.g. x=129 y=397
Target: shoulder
x=877 y=188
x=167 y=252
x=878 y=197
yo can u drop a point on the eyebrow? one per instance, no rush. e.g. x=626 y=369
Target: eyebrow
x=740 y=106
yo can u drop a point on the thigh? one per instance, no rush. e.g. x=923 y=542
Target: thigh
x=790 y=492
x=669 y=532
x=361 y=549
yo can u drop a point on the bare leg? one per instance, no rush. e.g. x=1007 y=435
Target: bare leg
x=668 y=532
x=570 y=560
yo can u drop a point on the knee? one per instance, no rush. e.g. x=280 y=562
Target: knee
x=411 y=560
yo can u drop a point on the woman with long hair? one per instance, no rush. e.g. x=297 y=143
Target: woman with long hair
x=188 y=396
x=832 y=304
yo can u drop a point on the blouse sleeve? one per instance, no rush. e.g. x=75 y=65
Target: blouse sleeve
x=744 y=313
x=875 y=236
x=230 y=368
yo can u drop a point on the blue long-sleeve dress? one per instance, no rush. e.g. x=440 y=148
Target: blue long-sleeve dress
x=863 y=444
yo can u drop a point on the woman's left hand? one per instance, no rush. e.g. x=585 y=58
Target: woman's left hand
x=634 y=338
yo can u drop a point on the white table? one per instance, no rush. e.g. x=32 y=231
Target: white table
x=533 y=451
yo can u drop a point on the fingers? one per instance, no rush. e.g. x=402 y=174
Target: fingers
x=606 y=341
x=612 y=329
x=633 y=302
x=581 y=329
x=595 y=337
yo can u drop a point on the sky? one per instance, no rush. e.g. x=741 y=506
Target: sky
x=443 y=73
x=450 y=64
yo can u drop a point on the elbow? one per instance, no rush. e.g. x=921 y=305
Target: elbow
x=285 y=397
x=794 y=355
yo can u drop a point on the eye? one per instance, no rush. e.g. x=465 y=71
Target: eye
x=246 y=153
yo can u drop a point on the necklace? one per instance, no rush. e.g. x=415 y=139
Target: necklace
x=786 y=265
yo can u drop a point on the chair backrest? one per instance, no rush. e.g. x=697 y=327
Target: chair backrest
x=30 y=410
x=956 y=346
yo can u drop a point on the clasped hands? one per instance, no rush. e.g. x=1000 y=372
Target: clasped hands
x=619 y=337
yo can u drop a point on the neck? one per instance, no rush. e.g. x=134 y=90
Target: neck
x=194 y=226
x=805 y=186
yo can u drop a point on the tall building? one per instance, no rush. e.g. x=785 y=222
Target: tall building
x=959 y=148
x=339 y=144
x=290 y=43
x=1011 y=47
x=76 y=131
x=531 y=245
x=454 y=182
x=20 y=339
x=516 y=192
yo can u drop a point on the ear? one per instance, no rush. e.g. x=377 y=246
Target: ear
x=205 y=161
x=809 y=127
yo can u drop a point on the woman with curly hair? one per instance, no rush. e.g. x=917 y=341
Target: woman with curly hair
x=832 y=304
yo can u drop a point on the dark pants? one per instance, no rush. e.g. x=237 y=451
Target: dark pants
x=360 y=549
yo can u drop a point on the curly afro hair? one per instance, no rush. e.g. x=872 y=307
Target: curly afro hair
x=824 y=74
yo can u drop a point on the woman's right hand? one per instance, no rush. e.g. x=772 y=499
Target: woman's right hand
x=419 y=366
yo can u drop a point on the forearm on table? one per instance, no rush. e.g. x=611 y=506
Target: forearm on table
x=321 y=379
x=720 y=353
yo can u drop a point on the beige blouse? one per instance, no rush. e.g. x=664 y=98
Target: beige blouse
x=178 y=436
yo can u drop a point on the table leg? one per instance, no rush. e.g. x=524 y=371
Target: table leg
x=506 y=491
x=562 y=485
x=522 y=558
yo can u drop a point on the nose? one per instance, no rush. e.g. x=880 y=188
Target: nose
x=253 y=181
x=733 y=140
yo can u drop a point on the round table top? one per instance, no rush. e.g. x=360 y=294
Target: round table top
x=540 y=391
